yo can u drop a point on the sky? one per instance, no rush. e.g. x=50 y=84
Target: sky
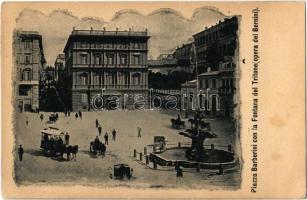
x=170 y=24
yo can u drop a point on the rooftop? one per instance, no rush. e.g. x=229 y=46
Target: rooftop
x=104 y=32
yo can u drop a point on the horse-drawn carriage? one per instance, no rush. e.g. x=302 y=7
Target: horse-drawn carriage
x=97 y=146
x=122 y=171
x=52 y=143
x=53 y=118
x=52 y=140
x=159 y=144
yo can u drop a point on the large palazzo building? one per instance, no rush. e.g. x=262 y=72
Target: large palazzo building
x=109 y=64
x=29 y=62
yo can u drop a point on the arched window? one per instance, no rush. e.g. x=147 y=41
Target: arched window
x=26 y=74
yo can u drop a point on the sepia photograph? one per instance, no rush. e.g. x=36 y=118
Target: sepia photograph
x=144 y=101
x=153 y=100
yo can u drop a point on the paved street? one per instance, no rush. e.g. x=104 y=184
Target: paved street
x=37 y=168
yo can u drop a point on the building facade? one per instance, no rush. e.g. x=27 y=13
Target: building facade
x=216 y=43
x=29 y=63
x=216 y=57
x=110 y=65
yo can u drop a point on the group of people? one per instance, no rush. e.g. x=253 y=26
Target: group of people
x=53 y=139
x=78 y=115
x=106 y=135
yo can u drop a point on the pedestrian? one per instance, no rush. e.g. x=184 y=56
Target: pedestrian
x=68 y=113
x=80 y=114
x=97 y=123
x=41 y=117
x=56 y=116
x=67 y=138
x=178 y=170
x=106 y=138
x=20 y=152
x=76 y=115
x=99 y=129
x=65 y=112
x=27 y=121
x=113 y=134
x=139 y=131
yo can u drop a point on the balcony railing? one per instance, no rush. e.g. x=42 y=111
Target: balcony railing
x=115 y=87
x=109 y=33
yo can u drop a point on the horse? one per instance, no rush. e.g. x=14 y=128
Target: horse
x=72 y=150
x=177 y=124
x=100 y=147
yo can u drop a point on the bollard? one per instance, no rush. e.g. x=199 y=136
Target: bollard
x=154 y=164
x=141 y=157
x=179 y=144
x=212 y=146
x=221 y=170
x=229 y=148
x=134 y=153
x=198 y=167
x=147 y=160
x=145 y=151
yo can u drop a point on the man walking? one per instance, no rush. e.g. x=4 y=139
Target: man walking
x=20 y=153
x=80 y=114
x=99 y=129
x=42 y=117
x=67 y=138
x=76 y=115
x=113 y=134
x=97 y=123
x=106 y=138
x=27 y=121
x=139 y=131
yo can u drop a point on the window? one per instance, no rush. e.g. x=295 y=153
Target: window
x=110 y=59
x=84 y=98
x=126 y=78
x=24 y=90
x=113 y=78
x=83 y=78
x=97 y=59
x=83 y=59
x=83 y=44
x=136 y=79
x=136 y=59
x=123 y=59
x=27 y=44
x=213 y=83
x=207 y=83
x=28 y=58
x=97 y=79
x=26 y=75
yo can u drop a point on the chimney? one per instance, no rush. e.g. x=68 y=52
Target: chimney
x=73 y=28
x=91 y=28
x=104 y=28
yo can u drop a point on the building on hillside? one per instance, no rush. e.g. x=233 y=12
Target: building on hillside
x=112 y=64
x=29 y=63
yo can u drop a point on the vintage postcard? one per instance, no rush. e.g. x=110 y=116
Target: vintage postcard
x=153 y=99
